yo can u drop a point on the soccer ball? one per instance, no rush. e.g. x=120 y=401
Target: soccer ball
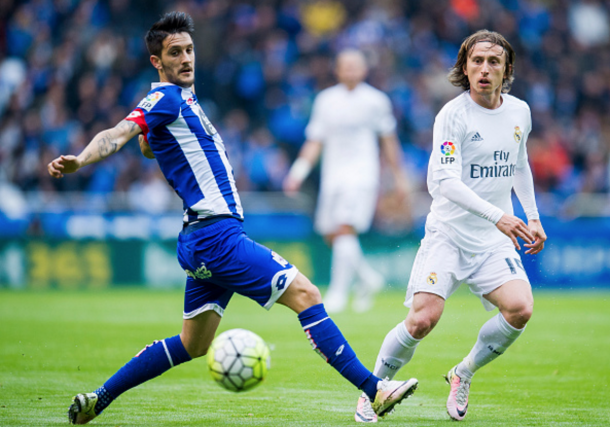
x=238 y=359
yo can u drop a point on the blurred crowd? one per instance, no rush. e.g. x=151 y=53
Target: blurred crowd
x=71 y=68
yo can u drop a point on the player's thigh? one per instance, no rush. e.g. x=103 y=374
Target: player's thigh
x=257 y=272
x=437 y=268
x=222 y=256
x=425 y=312
x=502 y=267
x=198 y=332
x=202 y=295
x=512 y=297
x=301 y=294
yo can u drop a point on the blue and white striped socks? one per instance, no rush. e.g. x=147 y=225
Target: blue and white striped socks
x=327 y=340
x=151 y=362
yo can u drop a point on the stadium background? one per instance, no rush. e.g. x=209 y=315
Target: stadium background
x=69 y=69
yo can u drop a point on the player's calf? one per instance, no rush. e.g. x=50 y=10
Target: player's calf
x=326 y=339
x=149 y=363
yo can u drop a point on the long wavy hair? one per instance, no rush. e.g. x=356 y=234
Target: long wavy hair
x=456 y=74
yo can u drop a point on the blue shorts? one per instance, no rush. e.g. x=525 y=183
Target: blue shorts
x=220 y=259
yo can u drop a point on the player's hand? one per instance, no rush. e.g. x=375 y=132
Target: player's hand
x=63 y=165
x=537 y=231
x=291 y=185
x=145 y=148
x=513 y=227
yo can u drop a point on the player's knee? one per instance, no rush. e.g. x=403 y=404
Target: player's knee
x=524 y=314
x=519 y=315
x=420 y=326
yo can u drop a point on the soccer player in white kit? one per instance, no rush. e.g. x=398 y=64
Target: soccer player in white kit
x=350 y=122
x=479 y=156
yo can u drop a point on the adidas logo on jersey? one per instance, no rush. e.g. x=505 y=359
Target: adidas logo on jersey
x=476 y=137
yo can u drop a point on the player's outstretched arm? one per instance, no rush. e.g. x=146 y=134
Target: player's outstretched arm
x=104 y=144
x=308 y=157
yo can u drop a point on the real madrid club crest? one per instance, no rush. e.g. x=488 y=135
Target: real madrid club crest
x=432 y=279
x=518 y=134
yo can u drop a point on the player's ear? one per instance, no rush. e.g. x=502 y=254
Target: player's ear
x=156 y=62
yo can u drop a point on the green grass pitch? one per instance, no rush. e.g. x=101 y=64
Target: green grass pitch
x=54 y=344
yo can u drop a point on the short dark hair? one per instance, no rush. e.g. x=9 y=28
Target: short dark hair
x=170 y=23
x=457 y=76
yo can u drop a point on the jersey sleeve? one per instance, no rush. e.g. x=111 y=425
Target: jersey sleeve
x=157 y=109
x=448 y=135
x=385 y=122
x=522 y=159
x=315 y=129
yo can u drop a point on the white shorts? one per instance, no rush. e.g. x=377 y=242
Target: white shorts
x=440 y=267
x=352 y=206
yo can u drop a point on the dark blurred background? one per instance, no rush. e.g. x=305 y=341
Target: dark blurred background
x=69 y=69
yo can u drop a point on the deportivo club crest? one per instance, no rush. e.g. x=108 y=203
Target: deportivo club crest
x=432 y=279
x=518 y=134
x=201 y=273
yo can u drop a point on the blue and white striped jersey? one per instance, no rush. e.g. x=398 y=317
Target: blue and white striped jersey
x=189 y=150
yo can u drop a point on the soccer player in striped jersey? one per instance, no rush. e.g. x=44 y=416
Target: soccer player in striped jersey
x=479 y=156
x=218 y=257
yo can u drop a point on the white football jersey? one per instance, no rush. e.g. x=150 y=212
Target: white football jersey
x=348 y=123
x=483 y=148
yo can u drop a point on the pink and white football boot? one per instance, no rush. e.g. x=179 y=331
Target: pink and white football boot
x=457 y=403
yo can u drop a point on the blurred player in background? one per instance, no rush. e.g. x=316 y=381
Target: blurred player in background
x=348 y=123
x=479 y=156
x=217 y=256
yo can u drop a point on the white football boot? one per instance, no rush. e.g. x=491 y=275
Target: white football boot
x=457 y=403
x=82 y=409
x=364 y=410
x=391 y=393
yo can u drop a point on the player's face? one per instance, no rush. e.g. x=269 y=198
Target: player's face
x=351 y=70
x=177 y=62
x=485 y=68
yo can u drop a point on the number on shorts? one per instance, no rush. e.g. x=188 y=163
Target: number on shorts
x=513 y=270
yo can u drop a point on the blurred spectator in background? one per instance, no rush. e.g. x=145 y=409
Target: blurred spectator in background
x=64 y=76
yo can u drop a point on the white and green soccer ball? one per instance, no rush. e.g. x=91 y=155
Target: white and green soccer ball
x=238 y=359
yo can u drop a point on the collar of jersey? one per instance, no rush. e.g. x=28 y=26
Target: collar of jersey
x=155 y=85
x=486 y=110
x=356 y=88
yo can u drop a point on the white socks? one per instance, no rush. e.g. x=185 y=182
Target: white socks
x=346 y=256
x=347 y=261
x=395 y=352
x=495 y=337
